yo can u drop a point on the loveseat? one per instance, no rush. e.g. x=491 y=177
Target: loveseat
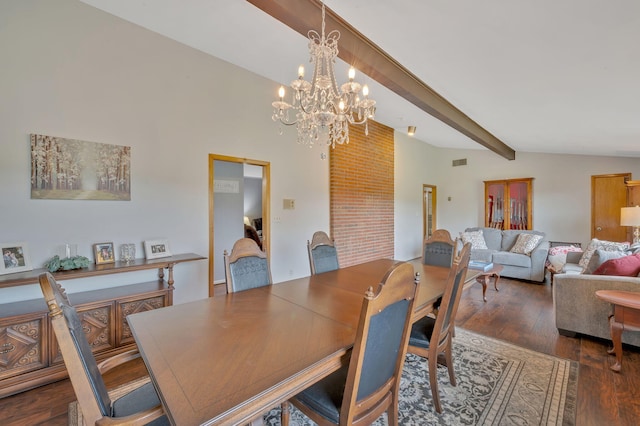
x=499 y=245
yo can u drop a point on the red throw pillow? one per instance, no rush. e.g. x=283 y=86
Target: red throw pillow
x=628 y=266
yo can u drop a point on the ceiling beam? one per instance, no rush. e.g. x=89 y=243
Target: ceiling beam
x=357 y=50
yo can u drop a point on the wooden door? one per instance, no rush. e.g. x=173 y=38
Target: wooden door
x=608 y=195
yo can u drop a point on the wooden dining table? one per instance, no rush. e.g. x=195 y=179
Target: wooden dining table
x=226 y=360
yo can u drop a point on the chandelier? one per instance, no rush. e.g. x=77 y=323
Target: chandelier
x=322 y=111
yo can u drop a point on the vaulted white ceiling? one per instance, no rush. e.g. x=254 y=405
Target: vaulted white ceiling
x=542 y=76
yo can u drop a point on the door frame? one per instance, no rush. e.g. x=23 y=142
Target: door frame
x=434 y=203
x=266 y=209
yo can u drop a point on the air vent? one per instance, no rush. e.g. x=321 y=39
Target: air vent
x=460 y=162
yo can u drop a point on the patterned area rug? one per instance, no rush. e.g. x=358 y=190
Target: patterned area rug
x=498 y=384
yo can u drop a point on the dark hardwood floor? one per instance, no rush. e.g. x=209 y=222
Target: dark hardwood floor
x=520 y=313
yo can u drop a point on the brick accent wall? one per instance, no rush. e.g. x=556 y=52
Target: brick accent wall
x=361 y=194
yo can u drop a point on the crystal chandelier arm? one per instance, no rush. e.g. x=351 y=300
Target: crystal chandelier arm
x=321 y=107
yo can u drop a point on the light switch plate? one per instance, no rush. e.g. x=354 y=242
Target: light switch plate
x=288 y=204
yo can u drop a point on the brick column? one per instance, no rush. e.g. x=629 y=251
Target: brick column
x=362 y=189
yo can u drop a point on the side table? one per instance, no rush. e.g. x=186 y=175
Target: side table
x=626 y=316
x=485 y=276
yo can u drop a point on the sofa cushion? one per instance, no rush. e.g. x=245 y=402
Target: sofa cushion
x=627 y=266
x=595 y=244
x=483 y=255
x=492 y=237
x=526 y=243
x=512 y=259
x=510 y=236
x=476 y=238
x=571 y=268
x=557 y=257
x=600 y=256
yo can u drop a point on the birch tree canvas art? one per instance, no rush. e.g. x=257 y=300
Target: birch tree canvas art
x=70 y=169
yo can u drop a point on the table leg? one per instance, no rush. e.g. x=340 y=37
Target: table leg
x=285 y=414
x=495 y=283
x=483 y=281
x=616 y=336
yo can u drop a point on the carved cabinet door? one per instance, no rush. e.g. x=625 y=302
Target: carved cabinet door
x=21 y=344
x=97 y=324
x=128 y=307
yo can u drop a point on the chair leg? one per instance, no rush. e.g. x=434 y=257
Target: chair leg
x=393 y=412
x=433 y=381
x=449 y=359
x=285 y=413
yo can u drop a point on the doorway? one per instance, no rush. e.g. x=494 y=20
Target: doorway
x=608 y=195
x=428 y=210
x=239 y=194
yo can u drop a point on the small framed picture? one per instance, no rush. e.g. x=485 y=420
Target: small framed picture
x=154 y=249
x=15 y=258
x=103 y=252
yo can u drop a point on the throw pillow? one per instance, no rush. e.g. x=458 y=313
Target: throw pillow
x=628 y=266
x=476 y=238
x=600 y=256
x=526 y=243
x=558 y=257
x=595 y=244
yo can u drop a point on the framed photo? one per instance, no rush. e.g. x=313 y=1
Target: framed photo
x=15 y=258
x=154 y=249
x=103 y=253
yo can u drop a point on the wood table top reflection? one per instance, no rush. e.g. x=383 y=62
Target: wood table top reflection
x=224 y=360
x=348 y=286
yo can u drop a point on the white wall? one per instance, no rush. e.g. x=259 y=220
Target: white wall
x=414 y=165
x=561 y=188
x=72 y=71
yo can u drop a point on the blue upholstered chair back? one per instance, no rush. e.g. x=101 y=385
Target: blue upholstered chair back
x=439 y=249
x=454 y=299
x=83 y=349
x=323 y=256
x=438 y=254
x=383 y=347
x=88 y=360
x=249 y=272
x=246 y=267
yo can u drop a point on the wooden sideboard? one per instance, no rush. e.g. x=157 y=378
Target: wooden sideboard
x=29 y=355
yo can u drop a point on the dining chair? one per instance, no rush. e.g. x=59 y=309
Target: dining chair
x=438 y=249
x=431 y=337
x=246 y=267
x=323 y=256
x=368 y=385
x=138 y=407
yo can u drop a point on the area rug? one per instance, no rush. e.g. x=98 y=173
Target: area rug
x=498 y=384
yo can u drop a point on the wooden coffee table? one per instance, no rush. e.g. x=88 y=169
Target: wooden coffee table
x=485 y=276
